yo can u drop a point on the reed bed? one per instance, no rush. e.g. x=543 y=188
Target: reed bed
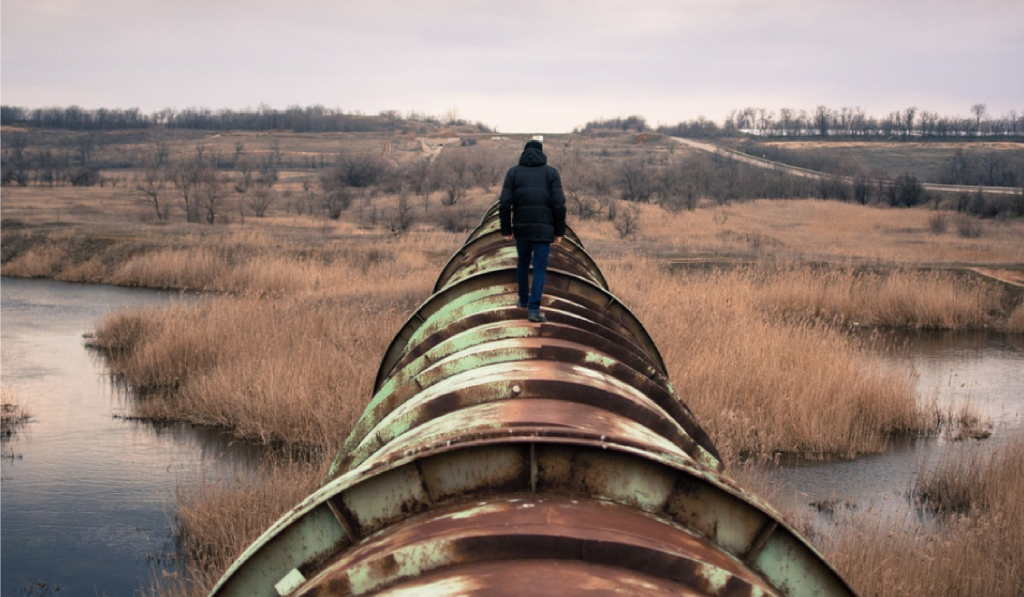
x=973 y=547
x=744 y=346
x=761 y=384
x=285 y=352
x=762 y=355
x=240 y=262
x=293 y=371
x=901 y=298
x=12 y=414
x=41 y=262
x=216 y=519
x=974 y=479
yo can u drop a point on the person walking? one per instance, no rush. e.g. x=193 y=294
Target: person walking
x=532 y=211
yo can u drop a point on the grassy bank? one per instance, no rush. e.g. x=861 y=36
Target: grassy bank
x=973 y=547
x=762 y=373
x=293 y=371
x=216 y=520
x=764 y=345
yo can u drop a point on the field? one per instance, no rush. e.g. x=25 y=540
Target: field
x=929 y=161
x=303 y=305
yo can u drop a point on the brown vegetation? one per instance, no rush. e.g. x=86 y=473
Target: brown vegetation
x=217 y=520
x=752 y=304
x=763 y=372
x=975 y=546
x=12 y=414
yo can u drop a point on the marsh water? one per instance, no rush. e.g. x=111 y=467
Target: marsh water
x=87 y=495
x=982 y=369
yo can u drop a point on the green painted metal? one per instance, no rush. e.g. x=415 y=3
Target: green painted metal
x=496 y=450
x=491 y=251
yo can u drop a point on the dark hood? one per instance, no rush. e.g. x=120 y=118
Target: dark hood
x=532 y=157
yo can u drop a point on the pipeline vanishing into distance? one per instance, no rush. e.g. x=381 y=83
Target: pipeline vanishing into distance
x=504 y=457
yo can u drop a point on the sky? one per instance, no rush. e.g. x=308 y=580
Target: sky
x=523 y=66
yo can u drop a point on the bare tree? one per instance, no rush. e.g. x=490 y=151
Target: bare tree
x=454 y=176
x=336 y=200
x=578 y=173
x=213 y=190
x=487 y=169
x=674 y=190
x=635 y=181
x=404 y=218
x=979 y=111
x=151 y=186
x=162 y=151
x=421 y=178
x=246 y=176
x=358 y=169
x=186 y=176
x=259 y=199
x=627 y=222
x=310 y=199
x=823 y=116
x=275 y=151
x=452 y=118
x=86 y=145
x=907 y=124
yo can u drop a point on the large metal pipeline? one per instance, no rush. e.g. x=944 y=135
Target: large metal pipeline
x=504 y=457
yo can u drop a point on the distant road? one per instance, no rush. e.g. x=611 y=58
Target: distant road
x=746 y=158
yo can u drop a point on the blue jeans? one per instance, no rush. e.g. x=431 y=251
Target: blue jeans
x=537 y=253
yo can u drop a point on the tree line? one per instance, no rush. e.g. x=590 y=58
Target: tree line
x=313 y=119
x=824 y=121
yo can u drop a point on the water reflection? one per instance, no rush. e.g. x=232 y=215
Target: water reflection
x=86 y=492
x=983 y=368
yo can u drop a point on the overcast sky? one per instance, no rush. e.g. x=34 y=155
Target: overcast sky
x=522 y=66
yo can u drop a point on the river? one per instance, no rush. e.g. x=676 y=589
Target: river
x=86 y=495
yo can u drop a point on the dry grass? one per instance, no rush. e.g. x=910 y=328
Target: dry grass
x=902 y=298
x=973 y=479
x=312 y=324
x=763 y=384
x=812 y=230
x=264 y=261
x=761 y=353
x=40 y=262
x=289 y=356
x=295 y=371
x=217 y=519
x=975 y=547
x=12 y=414
x=765 y=372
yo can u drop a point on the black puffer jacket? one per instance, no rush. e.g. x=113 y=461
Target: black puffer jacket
x=532 y=204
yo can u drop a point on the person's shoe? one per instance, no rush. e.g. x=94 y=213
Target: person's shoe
x=536 y=317
x=521 y=304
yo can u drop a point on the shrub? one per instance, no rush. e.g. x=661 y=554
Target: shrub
x=968 y=227
x=455 y=219
x=938 y=222
x=84 y=177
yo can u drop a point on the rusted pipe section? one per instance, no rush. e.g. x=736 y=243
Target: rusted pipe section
x=503 y=457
